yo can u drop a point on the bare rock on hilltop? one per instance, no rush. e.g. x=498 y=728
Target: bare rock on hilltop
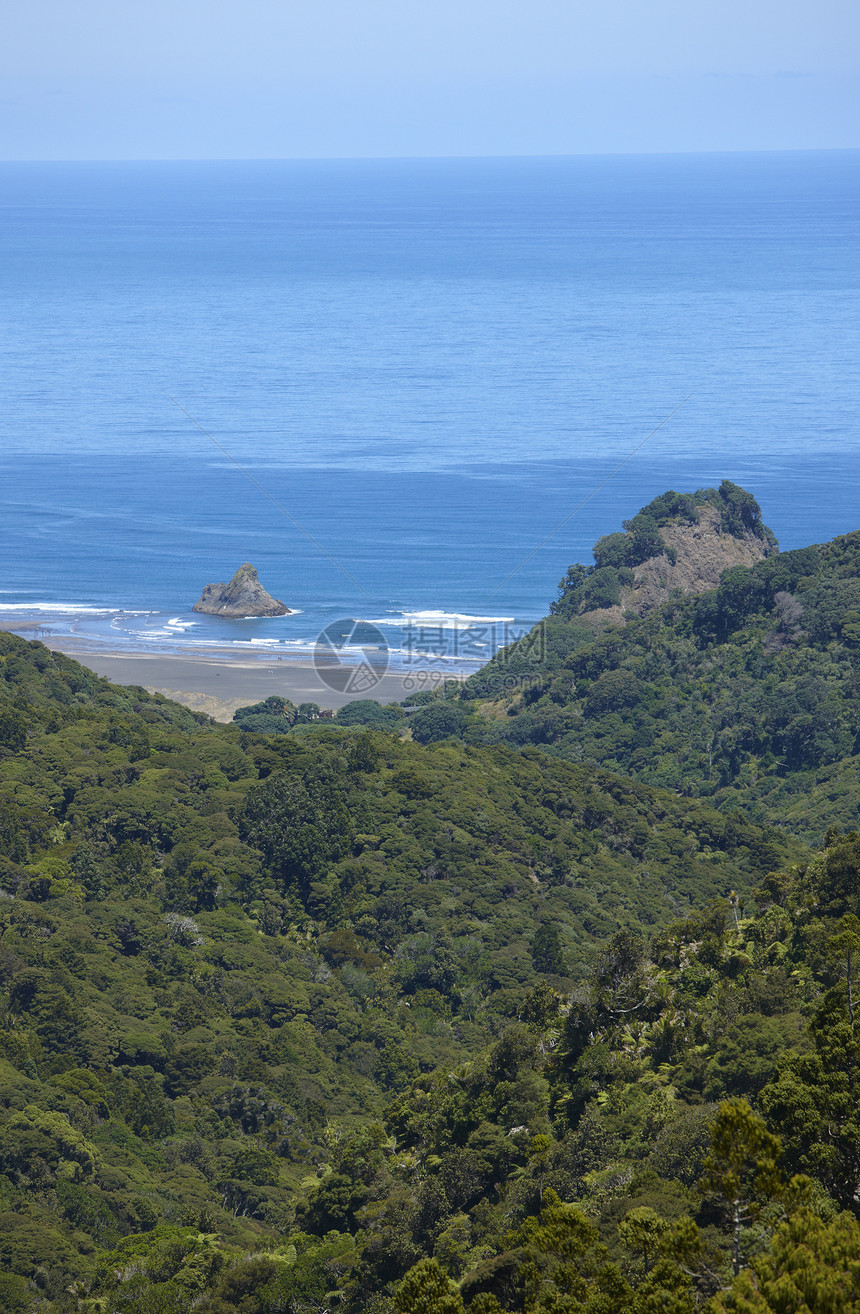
x=695 y=555
x=699 y=554
x=243 y=596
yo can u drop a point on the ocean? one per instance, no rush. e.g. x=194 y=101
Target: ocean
x=410 y=392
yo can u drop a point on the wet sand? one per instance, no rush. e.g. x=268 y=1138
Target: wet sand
x=218 y=686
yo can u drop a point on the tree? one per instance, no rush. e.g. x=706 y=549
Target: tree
x=645 y=539
x=546 y=950
x=602 y=589
x=13 y=728
x=539 y=1159
x=813 y=1103
x=439 y=720
x=427 y=1289
x=364 y=756
x=364 y=711
x=301 y=826
x=620 y=989
x=15 y=1294
x=641 y=1230
x=845 y=948
x=273 y=716
x=741 y=1167
x=741 y=512
x=560 y=1251
x=570 y=590
x=541 y=1006
x=811 y=1267
x=486 y=1303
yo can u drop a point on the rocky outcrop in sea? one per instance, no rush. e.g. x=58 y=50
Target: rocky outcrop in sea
x=243 y=596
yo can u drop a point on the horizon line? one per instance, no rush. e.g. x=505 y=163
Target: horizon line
x=359 y=159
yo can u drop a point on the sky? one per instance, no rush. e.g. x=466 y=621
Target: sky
x=259 y=79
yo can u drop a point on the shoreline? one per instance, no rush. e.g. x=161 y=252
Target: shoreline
x=217 y=681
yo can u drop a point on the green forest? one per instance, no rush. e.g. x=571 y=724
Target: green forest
x=538 y=995
x=747 y=695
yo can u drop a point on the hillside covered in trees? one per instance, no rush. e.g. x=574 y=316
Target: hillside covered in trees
x=435 y=1010
x=747 y=694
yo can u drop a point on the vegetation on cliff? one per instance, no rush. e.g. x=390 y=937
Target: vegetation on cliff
x=747 y=694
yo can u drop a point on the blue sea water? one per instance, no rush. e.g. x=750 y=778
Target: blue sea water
x=418 y=380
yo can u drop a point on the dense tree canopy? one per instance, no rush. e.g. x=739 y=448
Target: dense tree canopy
x=403 y=1011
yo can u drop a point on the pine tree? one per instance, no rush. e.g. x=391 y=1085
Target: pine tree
x=427 y=1289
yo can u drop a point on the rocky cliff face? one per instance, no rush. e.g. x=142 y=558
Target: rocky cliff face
x=243 y=596
x=695 y=559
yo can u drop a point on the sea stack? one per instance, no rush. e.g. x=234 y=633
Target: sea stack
x=243 y=596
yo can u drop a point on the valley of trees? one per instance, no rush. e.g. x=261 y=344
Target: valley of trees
x=528 y=998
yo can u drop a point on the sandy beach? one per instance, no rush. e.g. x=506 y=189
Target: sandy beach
x=218 y=684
